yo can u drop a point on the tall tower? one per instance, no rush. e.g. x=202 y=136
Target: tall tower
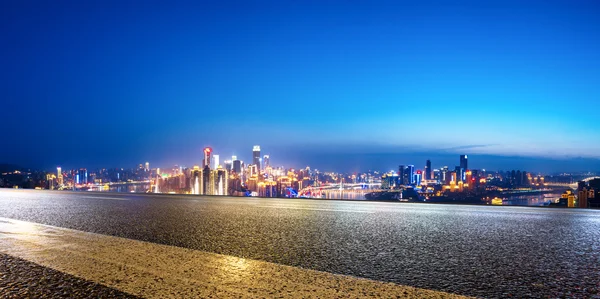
x=207 y=154
x=59 y=176
x=221 y=182
x=428 y=170
x=215 y=162
x=266 y=162
x=237 y=165
x=411 y=174
x=147 y=166
x=463 y=162
x=196 y=180
x=228 y=165
x=402 y=174
x=256 y=156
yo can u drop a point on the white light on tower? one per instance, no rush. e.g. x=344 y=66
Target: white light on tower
x=215 y=162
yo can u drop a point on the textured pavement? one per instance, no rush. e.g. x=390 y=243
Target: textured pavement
x=152 y=270
x=23 y=279
x=469 y=250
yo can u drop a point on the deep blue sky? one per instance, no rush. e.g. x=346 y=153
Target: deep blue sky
x=332 y=83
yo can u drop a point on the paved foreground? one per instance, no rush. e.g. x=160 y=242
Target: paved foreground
x=467 y=250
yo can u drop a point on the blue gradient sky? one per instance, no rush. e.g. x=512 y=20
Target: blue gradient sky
x=100 y=83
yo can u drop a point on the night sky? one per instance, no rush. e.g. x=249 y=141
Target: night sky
x=337 y=85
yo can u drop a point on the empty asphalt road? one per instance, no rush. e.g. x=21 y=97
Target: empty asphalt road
x=485 y=251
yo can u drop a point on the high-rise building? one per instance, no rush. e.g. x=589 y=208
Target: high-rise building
x=459 y=173
x=417 y=178
x=147 y=166
x=411 y=174
x=464 y=162
x=207 y=154
x=228 y=165
x=221 y=181
x=196 y=180
x=266 y=162
x=256 y=156
x=428 y=170
x=253 y=170
x=206 y=188
x=402 y=175
x=444 y=176
x=82 y=176
x=237 y=166
x=215 y=162
x=59 y=177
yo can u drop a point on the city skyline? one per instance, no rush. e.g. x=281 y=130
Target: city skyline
x=355 y=162
x=370 y=83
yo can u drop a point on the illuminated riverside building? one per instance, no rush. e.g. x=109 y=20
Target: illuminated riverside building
x=204 y=181
x=207 y=155
x=464 y=162
x=237 y=165
x=469 y=178
x=390 y=181
x=215 y=162
x=221 y=181
x=59 y=176
x=453 y=177
x=406 y=174
x=428 y=170
x=172 y=183
x=459 y=173
x=82 y=176
x=228 y=165
x=205 y=185
x=51 y=181
x=196 y=180
x=267 y=189
x=253 y=170
x=256 y=156
x=417 y=178
x=445 y=175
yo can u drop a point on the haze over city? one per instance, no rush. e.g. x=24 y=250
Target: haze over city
x=112 y=84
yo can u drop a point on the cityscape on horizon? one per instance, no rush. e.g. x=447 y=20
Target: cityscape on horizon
x=217 y=175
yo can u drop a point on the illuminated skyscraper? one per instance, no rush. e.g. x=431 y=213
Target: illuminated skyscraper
x=59 y=177
x=444 y=175
x=253 y=170
x=459 y=173
x=256 y=156
x=82 y=176
x=147 y=166
x=206 y=188
x=237 y=166
x=463 y=162
x=228 y=165
x=411 y=173
x=207 y=154
x=417 y=178
x=196 y=180
x=215 y=162
x=266 y=162
x=221 y=181
x=428 y=170
x=402 y=176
